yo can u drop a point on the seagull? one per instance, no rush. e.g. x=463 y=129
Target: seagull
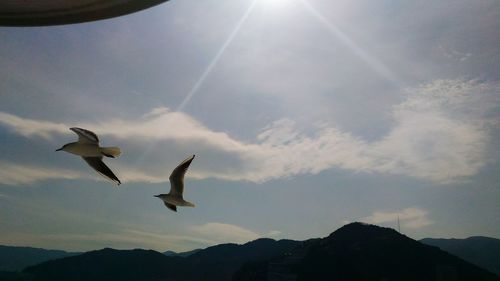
x=174 y=197
x=88 y=148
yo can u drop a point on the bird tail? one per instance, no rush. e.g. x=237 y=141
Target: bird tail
x=112 y=152
x=189 y=204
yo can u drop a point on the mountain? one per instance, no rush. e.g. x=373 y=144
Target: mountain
x=481 y=251
x=213 y=263
x=364 y=252
x=108 y=264
x=221 y=261
x=15 y=276
x=356 y=252
x=181 y=254
x=16 y=258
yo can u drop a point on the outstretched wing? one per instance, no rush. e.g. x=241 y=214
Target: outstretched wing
x=85 y=136
x=170 y=206
x=97 y=164
x=177 y=177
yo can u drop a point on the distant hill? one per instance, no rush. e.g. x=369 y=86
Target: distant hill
x=14 y=258
x=213 y=263
x=355 y=252
x=181 y=254
x=108 y=264
x=221 y=261
x=15 y=276
x=481 y=251
x=360 y=252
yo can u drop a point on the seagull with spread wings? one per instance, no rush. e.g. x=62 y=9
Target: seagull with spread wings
x=88 y=148
x=174 y=197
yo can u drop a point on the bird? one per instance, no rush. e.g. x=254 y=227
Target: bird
x=174 y=197
x=88 y=148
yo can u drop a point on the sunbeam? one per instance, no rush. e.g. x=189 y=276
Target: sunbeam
x=374 y=63
x=216 y=58
x=204 y=75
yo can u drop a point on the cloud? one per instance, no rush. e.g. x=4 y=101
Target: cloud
x=441 y=133
x=224 y=233
x=121 y=239
x=14 y=174
x=274 y=233
x=409 y=217
x=199 y=236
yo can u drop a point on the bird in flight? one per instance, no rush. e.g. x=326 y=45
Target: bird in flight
x=88 y=148
x=174 y=197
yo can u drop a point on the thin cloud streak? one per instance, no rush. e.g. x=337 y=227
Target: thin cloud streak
x=15 y=174
x=410 y=218
x=123 y=239
x=199 y=236
x=441 y=134
x=224 y=233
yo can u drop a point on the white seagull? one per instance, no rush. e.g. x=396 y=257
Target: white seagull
x=174 y=197
x=88 y=148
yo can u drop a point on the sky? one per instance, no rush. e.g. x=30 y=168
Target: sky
x=304 y=115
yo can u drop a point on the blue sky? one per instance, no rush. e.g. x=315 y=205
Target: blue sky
x=304 y=115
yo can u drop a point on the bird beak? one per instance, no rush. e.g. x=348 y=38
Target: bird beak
x=59 y=149
x=156 y=195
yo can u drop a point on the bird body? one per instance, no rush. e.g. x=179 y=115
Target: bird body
x=88 y=148
x=175 y=198
x=83 y=149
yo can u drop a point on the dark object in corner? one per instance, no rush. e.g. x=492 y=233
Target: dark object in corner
x=53 y=12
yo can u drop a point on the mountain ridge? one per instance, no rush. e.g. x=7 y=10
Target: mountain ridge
x=479 y=250
x=372 y=251
x=15 y=258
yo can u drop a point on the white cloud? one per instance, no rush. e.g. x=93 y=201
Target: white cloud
x=14 y=174
x=224 y=233
x=273 y=233
x=122 y=239
x=199 y=236
x=409 y=217
x=441 y=133
x=30 y=127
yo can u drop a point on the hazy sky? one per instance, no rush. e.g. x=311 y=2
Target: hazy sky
x=303 y=115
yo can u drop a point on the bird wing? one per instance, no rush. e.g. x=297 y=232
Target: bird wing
x=97 y=164
x=177 y=177
x=85 y=136
x=170 y=206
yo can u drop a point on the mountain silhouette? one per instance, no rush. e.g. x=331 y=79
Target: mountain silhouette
x=213 y=263
x=181 y=254
x=364 y=252
x=14 y=258
x=353 y=252
x=108 y=264
x=481 y=251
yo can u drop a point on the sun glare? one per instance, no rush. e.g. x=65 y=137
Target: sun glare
x=274 y=4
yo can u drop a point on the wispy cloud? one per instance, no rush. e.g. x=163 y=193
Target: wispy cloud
x=441 y=133
x=15 y=174
x=199 y=236
x=30 y=127
x=224 y=233
x=121 y=239
x=410 y=217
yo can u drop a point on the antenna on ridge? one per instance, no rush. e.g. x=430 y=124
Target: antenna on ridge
x=399 y=226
